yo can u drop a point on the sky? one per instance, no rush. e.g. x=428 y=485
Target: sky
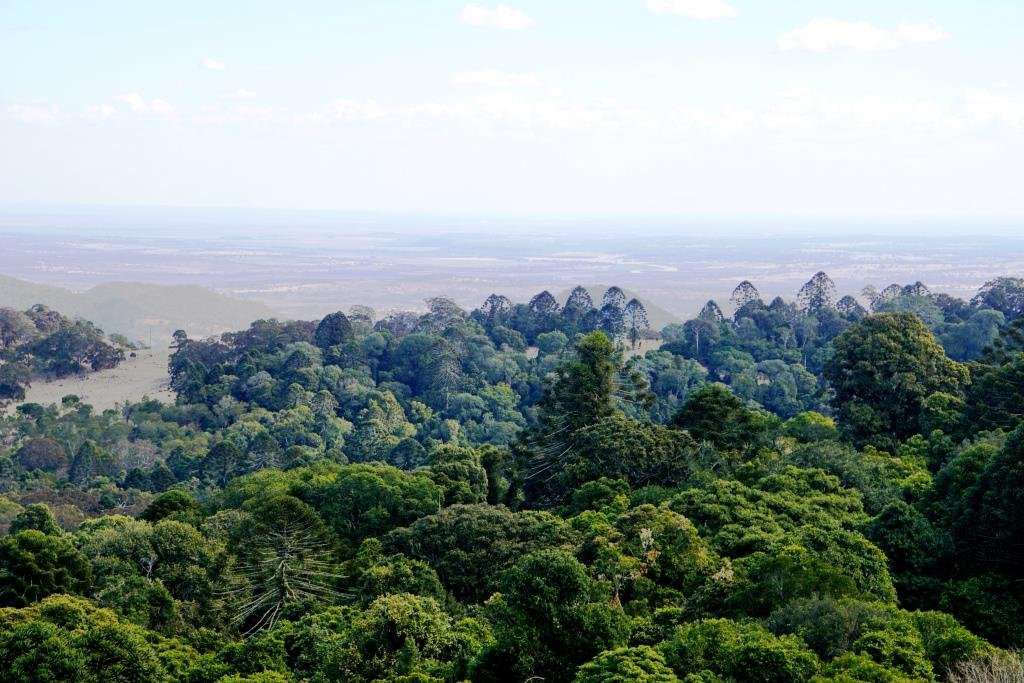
x=674 y=107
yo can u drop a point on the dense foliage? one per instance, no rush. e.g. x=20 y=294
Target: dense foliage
x=810 y=491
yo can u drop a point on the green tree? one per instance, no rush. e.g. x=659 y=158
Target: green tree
x=582 y=393
x=994 y=396
x=379 y=574
x=992 y=533
x=380 y=427
x=739 y=651
x=715 y=414
x=176 y=504
x=470 y=545
x=365 y=500
x=642 y=453
x=642 y=664
x=399 y=637
x=284 y=557
x=223 y=462
x=63 y=638
x=90 y=461
x=583 y=389
x=333 y=330
x=545 y=623
x=459 y=471
x=39 y=652
x=150 y=572
x=35 y=516
x=1004 y=294
x=445 y=370
x=882 y=369
x=34 y=565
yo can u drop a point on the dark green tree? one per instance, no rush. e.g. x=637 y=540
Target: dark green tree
x=34 y=565
x=545 y=623
x=991 y=534
x=715 y=414
x=90 y=461
x=994 y=397
x=333 y=330
x=36 y=516
x=470 y=545
x=882 y=369
x=583 y=390
x=176 y=504
x=223 y=462
x=284 y=557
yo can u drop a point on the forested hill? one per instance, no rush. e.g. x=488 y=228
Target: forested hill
x=40 y=343
x=138 y=310
x=821 y=489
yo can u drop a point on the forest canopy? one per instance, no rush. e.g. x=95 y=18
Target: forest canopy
x=822 y=489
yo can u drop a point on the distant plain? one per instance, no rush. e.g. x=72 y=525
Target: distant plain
x=302 y=267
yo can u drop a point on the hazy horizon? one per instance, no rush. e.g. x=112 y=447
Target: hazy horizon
x=307 y=264
x=687 y=107
x=156 y=220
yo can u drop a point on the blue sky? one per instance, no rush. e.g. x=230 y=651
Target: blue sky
x=636 y=106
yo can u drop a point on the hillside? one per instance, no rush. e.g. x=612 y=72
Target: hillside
x=139 y=310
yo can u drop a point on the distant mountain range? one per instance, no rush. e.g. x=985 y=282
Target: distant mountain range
x=139 y=310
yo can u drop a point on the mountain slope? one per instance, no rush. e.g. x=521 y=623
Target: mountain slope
x=138 y=310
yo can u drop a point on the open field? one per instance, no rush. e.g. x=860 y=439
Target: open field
x=642 y=347
x=135 y=378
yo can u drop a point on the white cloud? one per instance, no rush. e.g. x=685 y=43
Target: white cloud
x=161 y=107
x=985 y=107
x=695 y=9
x=353 y=110
x=100 y=111
x=928 y=32
x=820 y=35
x=241 y=94
x=34 y=113
x=494 y=79
x=507 y=109
x=341 y=111
x=138 y=104
x=134 y=101
x=502 y=16
x=799 y=108
x=796 y=109
x=244 y=114
x=213 y=64
x=725 y=121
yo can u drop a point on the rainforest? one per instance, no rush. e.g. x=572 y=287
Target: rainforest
x=818 y=489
